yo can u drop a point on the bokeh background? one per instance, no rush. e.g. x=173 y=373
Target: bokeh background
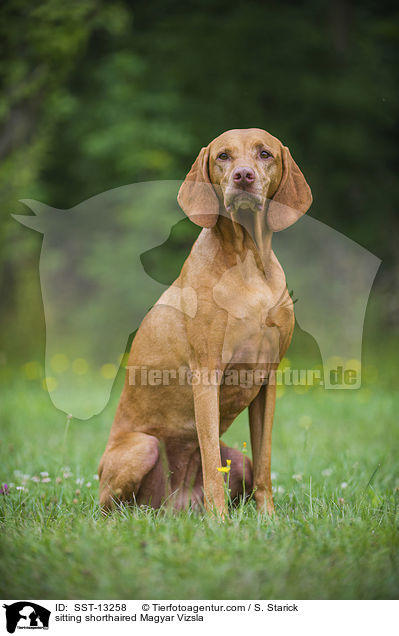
x=95 y=96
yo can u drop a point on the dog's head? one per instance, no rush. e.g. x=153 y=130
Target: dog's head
x=245 y=169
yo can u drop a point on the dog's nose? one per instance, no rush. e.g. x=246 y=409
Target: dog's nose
x=243 y=176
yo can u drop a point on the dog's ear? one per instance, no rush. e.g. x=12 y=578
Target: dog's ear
x=196 y=197
x=292 y=198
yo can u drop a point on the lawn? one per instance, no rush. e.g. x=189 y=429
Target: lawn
x=335 y=536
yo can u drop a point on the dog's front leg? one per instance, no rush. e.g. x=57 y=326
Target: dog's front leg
x=206 y=405
x=261 y=413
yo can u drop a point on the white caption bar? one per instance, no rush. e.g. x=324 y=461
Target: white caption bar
x=171 y=617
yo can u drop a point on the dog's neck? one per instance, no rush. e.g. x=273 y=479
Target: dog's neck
x=250 y=233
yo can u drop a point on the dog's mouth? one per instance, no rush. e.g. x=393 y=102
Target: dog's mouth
x=236 y=200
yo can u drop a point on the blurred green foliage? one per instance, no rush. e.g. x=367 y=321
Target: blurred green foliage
x=96 y=95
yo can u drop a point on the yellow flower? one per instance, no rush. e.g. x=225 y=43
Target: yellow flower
x=224 y=469
x=244 y=447
x=228 y=462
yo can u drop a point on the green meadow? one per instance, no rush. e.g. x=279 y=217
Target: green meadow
x=335 y=535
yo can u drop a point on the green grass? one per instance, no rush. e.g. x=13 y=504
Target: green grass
x=335 y=536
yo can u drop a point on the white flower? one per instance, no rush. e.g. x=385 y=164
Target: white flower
x=67 y=475
x=45 y=480
x=297 y=477
x=281 y=490
x=79 y=481
x=95 y=477
x=327 y=472
x=21 y=488
x=272 y=475
x=344 y=484
x=17 y=473
x=88 y=485
x=35 y=478
x=44 y=474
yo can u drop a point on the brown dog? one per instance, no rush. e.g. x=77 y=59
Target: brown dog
x=229 y=311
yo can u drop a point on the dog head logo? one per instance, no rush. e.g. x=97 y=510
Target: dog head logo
x=26 y=615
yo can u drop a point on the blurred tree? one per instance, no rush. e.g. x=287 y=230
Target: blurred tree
x=320 y=76
x=41 y=45
x=99 y=96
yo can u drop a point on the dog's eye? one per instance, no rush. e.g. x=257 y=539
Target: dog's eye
x=223 y=156
x=265 y=155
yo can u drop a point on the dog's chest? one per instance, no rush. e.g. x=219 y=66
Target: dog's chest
x=252 y=334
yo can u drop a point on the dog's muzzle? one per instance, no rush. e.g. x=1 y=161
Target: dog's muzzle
x=235 y=199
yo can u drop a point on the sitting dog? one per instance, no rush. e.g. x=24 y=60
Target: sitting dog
x=229 y=311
